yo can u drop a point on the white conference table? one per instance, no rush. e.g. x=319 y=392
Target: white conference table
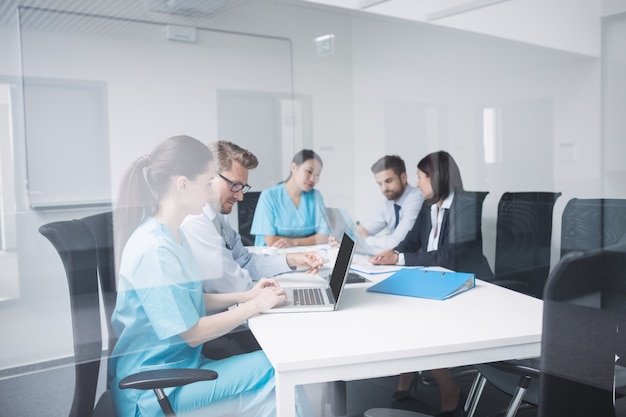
x=375 y=335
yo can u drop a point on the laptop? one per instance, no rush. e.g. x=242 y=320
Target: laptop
x=309 y=299
x=340 y=221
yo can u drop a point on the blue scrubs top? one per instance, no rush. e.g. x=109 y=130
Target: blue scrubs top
x=277 y=215
x=160 y=296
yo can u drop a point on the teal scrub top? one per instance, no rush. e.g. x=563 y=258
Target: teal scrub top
x=277 y=215
x=159 y=296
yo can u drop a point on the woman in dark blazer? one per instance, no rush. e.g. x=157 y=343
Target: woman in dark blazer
x=459 y=245
x=447 y=233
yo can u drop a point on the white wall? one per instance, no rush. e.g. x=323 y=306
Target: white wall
x=614 y=91
x=462 y=73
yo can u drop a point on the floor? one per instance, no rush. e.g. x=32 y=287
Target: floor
x=47 y=392
x=366 y=394
x=37 y=392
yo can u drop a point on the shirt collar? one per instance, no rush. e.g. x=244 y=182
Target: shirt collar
x=209 y=211
x=447 y=202
x=404 y=196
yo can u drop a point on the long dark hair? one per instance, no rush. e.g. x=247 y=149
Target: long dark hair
x=444 y=174
x=302 y=156
x=148 y=178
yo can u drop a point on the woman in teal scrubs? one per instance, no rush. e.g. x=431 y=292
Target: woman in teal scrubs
x=160 y=314
x=293 y=213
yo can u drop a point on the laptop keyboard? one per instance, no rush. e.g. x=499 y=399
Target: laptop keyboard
x=308 y=297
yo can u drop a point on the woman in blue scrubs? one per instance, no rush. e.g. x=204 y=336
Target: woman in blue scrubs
x=293 y=212
x=160 y=313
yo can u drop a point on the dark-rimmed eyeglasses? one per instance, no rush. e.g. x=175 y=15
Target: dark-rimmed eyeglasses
x=235 y=187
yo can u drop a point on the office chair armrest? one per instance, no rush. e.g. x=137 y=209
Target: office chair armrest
x=529 y=367
x=166 y=378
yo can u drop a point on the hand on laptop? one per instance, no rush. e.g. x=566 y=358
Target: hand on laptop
x=267 y=293
x=313 y=261
x=386 y=257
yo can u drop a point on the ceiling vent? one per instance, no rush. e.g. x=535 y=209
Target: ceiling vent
x=195 y=8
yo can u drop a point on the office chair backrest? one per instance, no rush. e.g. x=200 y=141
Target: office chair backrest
x=87 y=250
x=479 y=197
x=245 y=214
x=76 y=246
x=101 y=227
x=523 y=239
x=584 y=315
x=589 y=224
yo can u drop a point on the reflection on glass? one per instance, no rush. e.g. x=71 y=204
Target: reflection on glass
x=9 y=279
x=490 y=134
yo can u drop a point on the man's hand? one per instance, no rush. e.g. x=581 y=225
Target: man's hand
x=311 y=260
x=362 y=231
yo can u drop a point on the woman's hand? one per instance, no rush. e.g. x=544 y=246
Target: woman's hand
x=332 y=242
x=387 y=257
x=266 y=294
x=263 y=296
x=260 y=285
x=284 y=242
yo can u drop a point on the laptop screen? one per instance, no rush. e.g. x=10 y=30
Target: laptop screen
x=340 y=222
x=342 y=264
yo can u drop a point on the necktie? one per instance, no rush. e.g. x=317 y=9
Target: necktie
x=396 y=207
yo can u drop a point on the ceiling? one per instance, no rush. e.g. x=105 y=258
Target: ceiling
x=419 y=10
x=184 y=12
x=567 y=25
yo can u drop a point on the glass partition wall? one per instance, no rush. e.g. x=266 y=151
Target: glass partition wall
x=98 y=92
x=99 y=86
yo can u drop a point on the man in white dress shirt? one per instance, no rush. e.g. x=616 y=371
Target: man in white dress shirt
x=226 y=265
x=394 y=217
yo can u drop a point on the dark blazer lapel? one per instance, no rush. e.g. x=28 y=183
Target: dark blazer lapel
x=445 y=226
x=428 y=225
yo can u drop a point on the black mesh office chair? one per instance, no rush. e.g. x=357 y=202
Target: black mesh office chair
x=523 y=241
x=595 y=223
x=583 y=332
x=87 y=252
x=245 y=214
x=479 y=197
x=583 y=316
x=587 y=224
